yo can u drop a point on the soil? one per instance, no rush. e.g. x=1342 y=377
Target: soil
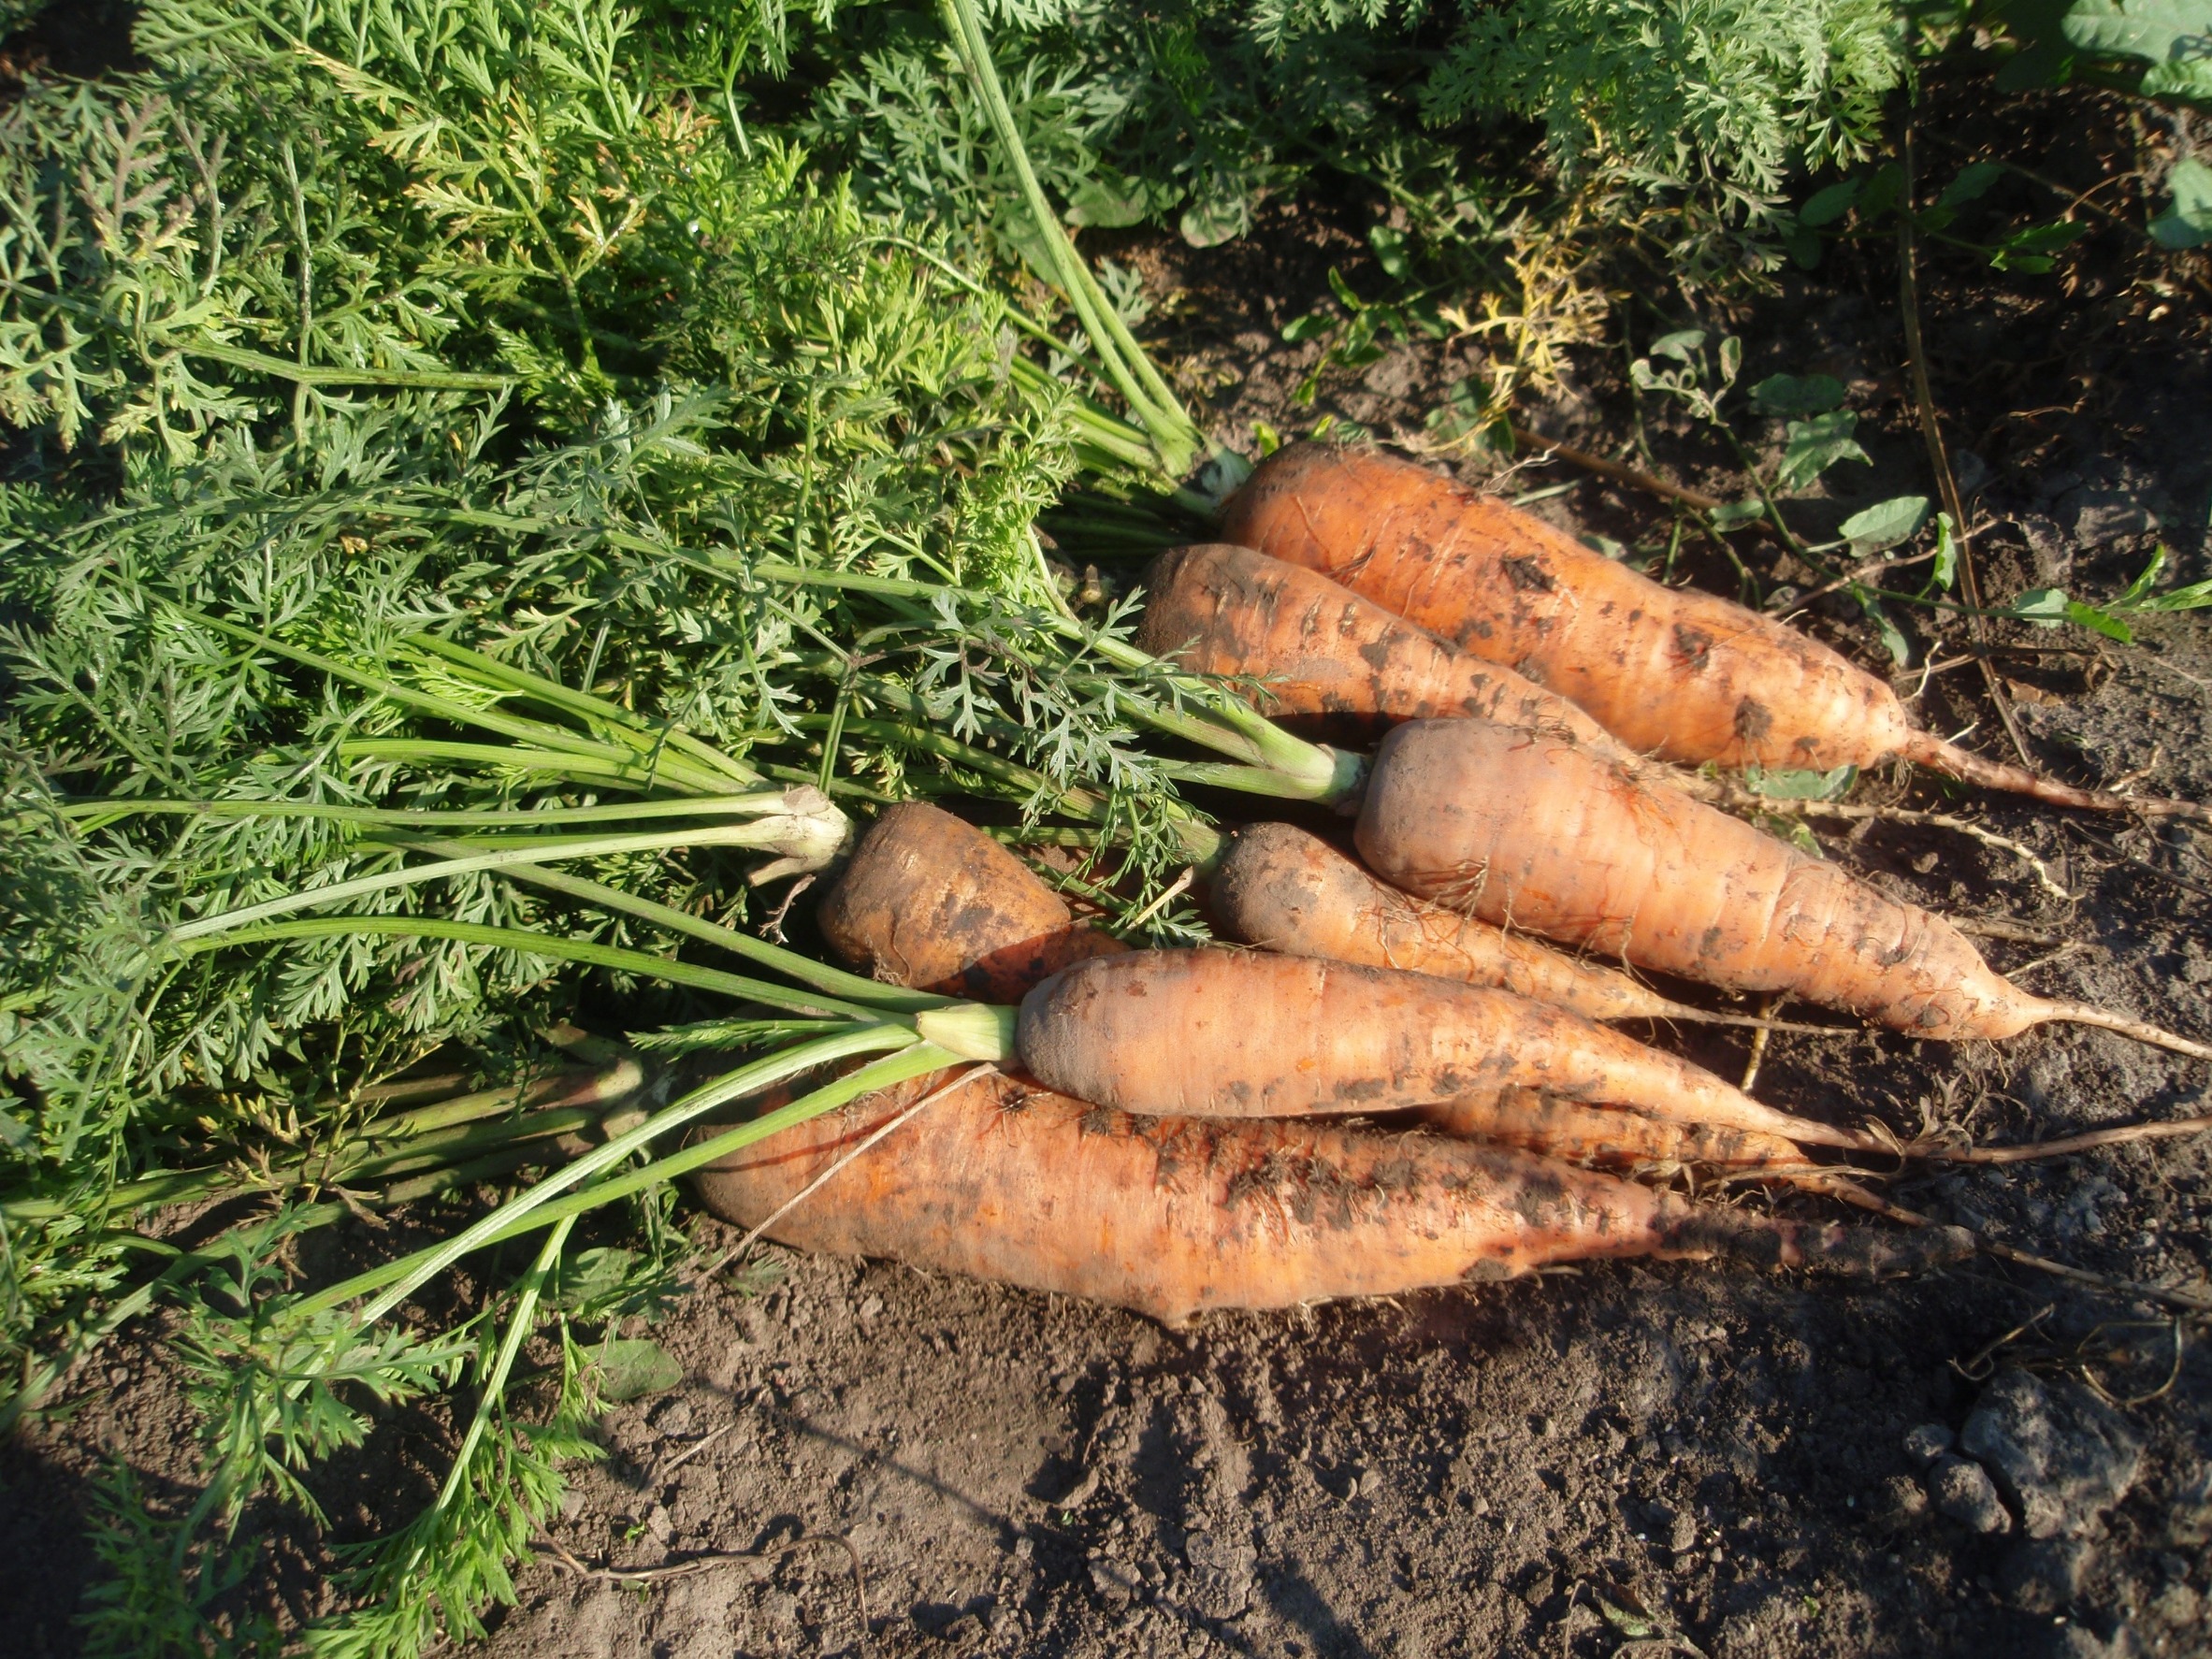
x=1620 y=1459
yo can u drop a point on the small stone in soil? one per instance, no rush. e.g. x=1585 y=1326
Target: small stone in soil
x=1927 y=1443
x=673 y=1417
x=1964 y=1492
x=2058 y=1453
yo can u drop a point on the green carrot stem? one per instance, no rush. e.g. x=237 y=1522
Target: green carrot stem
x=555 y=947
x=543 y=1206
x=97 y=813
x=769 y=832
x=833 y=981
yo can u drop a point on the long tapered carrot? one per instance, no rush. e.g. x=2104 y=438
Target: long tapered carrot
x=1176 y=1216
x=1607 y=1136
x=930 y=902
x=1522 y=830
x=1283 y=889
x=1319 y=648
x=1681 y=675
x=1248 y=1034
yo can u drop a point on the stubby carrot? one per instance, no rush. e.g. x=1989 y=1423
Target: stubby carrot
x=1510 y=826
x=1671 y=672
x=932 y=903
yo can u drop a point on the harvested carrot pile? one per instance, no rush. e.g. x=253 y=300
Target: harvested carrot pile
x=597 y=603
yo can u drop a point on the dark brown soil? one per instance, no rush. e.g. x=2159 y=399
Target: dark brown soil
x=1617 y=1460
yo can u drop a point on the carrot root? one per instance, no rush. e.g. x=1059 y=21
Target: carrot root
x=2127 y=1026
x=1924 y=748
x=1604 y=1137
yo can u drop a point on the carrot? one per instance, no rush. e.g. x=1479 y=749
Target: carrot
x=988 y=1175
x=1283 y=889
x=1510 y=826
x=1677 y=674
x=1218 y=1034
x=1319 y=648
x=932 y=903
x=1602 y=1135
x=1175 y=1217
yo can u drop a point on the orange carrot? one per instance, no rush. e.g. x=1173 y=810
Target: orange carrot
x=985 y=1173
x=1175 y=1217
x=1283 y=889
x=1607 y=1136
x=1319 y=648
x=1242 y=1034
x=1678 y=674
x=1519 y=829
x=932 y=903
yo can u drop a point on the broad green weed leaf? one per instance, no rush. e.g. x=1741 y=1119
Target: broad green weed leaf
x=1796 y=784
x=1207 y=224
x=2179 y=77
x=2140 y=588
x=1389 y=250
x=2045 y=607
x=1681 y=345
x=2138 y=597
x=1972 y=182
x=2029 y=249
x=1815 y=446
x=1108 y=204
x=2187 y=223
x=2047 y=63
x=1946 y=570
x=632 y=1368
x=2195 y=597
x=1730 y=516
x=1885 y=524
x=1881 y=192
x=1825 y=207
x=1306 y=328
x=2156 y=30
x=2088 y=616
x=1893 y=638
x=1797 y=394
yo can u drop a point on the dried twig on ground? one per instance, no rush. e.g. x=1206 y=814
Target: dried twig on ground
x=1932 y=430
